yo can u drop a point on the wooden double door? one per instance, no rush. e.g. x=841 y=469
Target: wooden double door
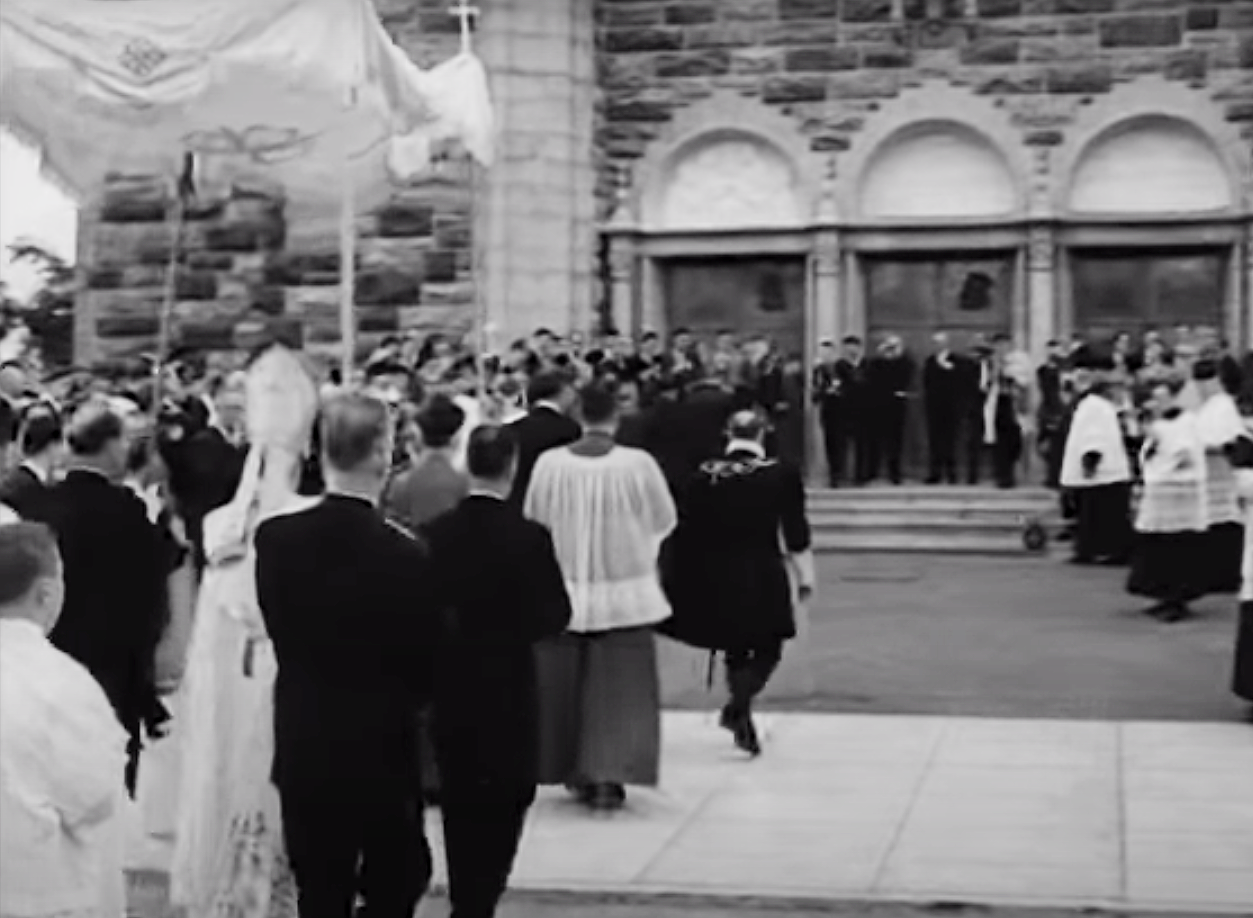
x=968 y=295
x=751 y=295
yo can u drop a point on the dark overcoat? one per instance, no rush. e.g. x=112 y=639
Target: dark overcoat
x=725 y=566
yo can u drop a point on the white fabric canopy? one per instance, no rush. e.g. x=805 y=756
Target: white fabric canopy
x=290 y=90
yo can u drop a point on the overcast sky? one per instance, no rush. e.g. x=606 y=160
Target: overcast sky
x=30 y=208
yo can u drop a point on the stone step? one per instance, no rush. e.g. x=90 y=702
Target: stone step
x=896 y=522
x=983 y=543
x=947 y=509
x=913 y=495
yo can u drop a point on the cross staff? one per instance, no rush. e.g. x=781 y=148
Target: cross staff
x=467 y=14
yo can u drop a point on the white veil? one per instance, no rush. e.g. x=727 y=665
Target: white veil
x=228 y=852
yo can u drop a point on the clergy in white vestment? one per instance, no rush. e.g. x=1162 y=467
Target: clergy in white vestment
x=1170 y=523
x=229 y=857
x=1242 y=673
x=1220 y=427
x=1097 y=470
x=609 y=509
x=7 y=515
x=61 y=751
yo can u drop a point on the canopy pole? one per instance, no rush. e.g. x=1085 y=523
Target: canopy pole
x=183 y=189
x=347 y=277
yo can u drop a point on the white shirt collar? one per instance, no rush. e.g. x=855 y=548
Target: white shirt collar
x=40 y=474
x=24 y=628
x=746 y=446
x=483 y=492
x=551 y=406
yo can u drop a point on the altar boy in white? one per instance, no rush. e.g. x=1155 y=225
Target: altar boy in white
x=608 y=509
x=62 y=751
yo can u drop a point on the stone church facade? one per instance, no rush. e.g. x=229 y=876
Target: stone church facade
x=802 y=168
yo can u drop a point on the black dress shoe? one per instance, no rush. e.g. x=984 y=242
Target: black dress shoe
x=746 y=736
x=607 y=798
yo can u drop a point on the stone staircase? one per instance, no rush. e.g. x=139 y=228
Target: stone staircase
x=943 y=520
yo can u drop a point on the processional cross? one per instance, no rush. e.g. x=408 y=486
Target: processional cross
x=467 y=13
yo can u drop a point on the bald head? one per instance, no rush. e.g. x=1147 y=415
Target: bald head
x=356 y=437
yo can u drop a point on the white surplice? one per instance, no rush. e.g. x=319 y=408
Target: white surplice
x=608 y=516
x=1095 y=429
x=62 y=758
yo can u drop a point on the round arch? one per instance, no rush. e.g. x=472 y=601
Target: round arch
x=726 y=179
x=1150 y=164
x=937 y=170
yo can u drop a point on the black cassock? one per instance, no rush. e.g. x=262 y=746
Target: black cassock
x=116 y=568
x=543 y=428
x=500 y=589
x=724 y=568
x=346 y=601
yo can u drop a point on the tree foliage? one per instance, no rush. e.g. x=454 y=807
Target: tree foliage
x=49 y=312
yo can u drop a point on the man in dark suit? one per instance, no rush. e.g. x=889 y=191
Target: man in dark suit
x=945 y=380
x=486 y=706
x=25 y=488
x=344 y=597
x=889 y=382
x=726 y=572
x=116 y=567
x=549 y=396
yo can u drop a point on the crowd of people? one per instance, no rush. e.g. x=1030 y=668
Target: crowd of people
x=218 y=562
x=441 y=580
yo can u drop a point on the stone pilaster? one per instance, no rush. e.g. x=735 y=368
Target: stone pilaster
x=1041 y=288
x=536 y=217
x=1247 y=310
x=828 y=320
x=623 y=273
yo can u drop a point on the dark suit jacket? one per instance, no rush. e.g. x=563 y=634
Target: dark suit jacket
x=724 y=568
x=947 y=390
x=486 y=709
x=116 y=568
x=25 y=494
x=205 y=469
x=345 y=597
x=541 y=430
x=429 y=489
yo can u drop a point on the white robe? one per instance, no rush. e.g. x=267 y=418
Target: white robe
x=1095 y=429
x=62 y=797
x=608 y=516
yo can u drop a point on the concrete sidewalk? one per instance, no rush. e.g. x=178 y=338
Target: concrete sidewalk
x=1051 y=813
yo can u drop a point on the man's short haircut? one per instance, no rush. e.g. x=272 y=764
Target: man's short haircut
x=598 y=403
x=94 y=426
x=681 y=330
x=546 y=385
x=381 y=368
x=852 y=339
x=41 y=428
x=440 y=420
x=1205 y=369
x=543 y=333
x=28 y=554
x=746 y=425
x=353 y=427
x=649 y=336
x=491 y=452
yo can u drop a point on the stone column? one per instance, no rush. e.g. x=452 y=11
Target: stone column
x=828 y=320
x=1248 y=287
x=536 y=216
x=1041 y=288
x=622 y=278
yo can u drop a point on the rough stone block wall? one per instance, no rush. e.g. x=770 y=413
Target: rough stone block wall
x=242 y=267
x=831 y=63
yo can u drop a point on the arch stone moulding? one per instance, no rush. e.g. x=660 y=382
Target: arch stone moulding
x=959 y=123
x=1148 y=104
x=727 y=142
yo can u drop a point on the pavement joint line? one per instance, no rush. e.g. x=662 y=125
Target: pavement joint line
x=928 y=763
x=1120 y=791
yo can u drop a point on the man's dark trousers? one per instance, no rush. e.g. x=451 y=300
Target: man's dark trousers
x=483 y=823
x=366 y=840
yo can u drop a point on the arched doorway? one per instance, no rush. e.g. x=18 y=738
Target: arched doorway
x=730 y=194
x=935 y=251
x=1146 y=247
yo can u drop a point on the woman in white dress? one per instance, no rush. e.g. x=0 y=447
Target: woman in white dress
x=228 y=857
